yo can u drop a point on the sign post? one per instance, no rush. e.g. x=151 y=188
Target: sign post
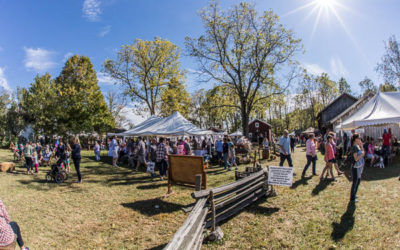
x=280 y=176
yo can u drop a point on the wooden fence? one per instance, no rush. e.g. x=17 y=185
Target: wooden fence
x=216 y=205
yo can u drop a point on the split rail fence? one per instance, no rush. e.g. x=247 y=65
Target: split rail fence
x=216 y=205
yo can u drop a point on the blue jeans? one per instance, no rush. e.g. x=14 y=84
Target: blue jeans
x=356 y=183
x=97 y=155
x=162 y=167
x=226 y=163
x=310 y=160
x=286 y=157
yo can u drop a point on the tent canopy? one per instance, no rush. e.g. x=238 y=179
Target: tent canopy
x=309 y=130
x=237 y=133
x=383 y=108
x=173 y=125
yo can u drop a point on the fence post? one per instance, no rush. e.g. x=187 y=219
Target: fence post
x=212 y=211
x=198 y=182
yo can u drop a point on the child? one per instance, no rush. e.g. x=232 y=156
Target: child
x=35 y=161
x=67 y=155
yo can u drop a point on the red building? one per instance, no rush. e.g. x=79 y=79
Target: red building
x=259 y=129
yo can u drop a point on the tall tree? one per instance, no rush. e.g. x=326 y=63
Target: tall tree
x=327 y=90
x=40 y=105
x=389 y=67
x=243 y=50
x=144 y=69
x=344 y=87
x=81 y=104
x=367 y=86
x=175 y=98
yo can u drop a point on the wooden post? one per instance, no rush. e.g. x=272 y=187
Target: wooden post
x=198 y=182
x=212 y=211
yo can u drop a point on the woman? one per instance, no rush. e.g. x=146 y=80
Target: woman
x=357 y=152
x=371 y=151
x=8 y=230
x=114 y=151
x=311 y=154
x=97 y=151
x=76 y=158
x=334 y=163
x=329 y=158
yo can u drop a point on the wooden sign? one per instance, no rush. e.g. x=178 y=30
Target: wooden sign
x=183 y=169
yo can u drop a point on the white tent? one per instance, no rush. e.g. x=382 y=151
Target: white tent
x=383 y=108
x=237 y=133
x=150 y=121
x=173 y=125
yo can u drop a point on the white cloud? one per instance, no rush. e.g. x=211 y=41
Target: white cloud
x=67 y=56
x=38 y=59
x=3 y=81
x=104 y=79
x=314 y=69
x=131 y=117
x=105 y=30
x=337 y=67
x=91 y=10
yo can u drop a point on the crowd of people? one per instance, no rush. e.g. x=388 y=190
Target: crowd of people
x=353 y=149
x=36 y=154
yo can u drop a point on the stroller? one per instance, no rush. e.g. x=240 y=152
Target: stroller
x=58 y=173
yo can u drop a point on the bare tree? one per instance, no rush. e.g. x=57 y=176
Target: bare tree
x=243 y=50
x=389 y=68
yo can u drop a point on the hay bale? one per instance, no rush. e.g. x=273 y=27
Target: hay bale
x=7 y=167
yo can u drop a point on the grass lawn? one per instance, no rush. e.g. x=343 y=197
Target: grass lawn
x=114 y=208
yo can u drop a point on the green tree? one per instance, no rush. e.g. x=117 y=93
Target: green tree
x=387 y=87
x=175 y=98
x=14 y=118
x=145 y=69
x=243 y=50
x=344 y=87
x=81 y=105
x=368 y=86
x=389 y=68
x=40 y=103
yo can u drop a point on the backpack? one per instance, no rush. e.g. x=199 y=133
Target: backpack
x=181 y=149
x=322 y=148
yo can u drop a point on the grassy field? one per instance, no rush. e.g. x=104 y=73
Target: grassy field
x=114 y=208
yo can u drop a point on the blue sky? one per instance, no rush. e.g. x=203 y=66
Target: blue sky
x=37 y=36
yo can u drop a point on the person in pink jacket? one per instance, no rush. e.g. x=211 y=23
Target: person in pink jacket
x=329 y=158
x=8 y=230
x=311 y=154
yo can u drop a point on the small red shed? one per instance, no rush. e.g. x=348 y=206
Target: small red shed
x=259 y=129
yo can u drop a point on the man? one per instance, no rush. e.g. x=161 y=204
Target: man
x=284 y=149
x=141 y=157
x=292 y=143
x=219 y=149
x=187 y=146
x=387 y=139
x=161 y=158
x=225 y=150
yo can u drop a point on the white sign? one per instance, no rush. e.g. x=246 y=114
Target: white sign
x=280 y=176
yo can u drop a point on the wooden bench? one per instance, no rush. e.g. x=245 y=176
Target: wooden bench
x=7 y=167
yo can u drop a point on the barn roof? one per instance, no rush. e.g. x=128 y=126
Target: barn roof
x=352 y=107
x=260 y=121
x=336 y=100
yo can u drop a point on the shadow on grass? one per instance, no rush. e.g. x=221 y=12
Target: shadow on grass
x=152 y=186
x=148 y=207
x=302 y=181
x=346 y=223
x=321 y=186
x=160 y=247
x=216 y=171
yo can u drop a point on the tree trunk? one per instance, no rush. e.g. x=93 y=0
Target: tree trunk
x=245 y=119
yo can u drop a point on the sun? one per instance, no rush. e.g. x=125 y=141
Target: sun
x=326 y=4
